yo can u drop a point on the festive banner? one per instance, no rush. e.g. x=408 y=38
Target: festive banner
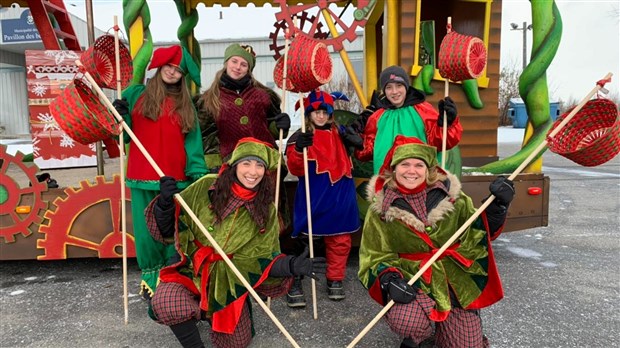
x=47 y=74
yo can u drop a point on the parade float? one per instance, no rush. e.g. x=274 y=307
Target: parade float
x=59 y=223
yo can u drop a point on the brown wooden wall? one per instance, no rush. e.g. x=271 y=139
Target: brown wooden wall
x=479 y=142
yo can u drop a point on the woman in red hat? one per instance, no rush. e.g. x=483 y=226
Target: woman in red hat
x=415 y=207
x=333 y=199
x=238 y=211
x=163 y=117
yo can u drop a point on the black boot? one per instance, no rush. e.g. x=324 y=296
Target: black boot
x=187 y=333
x=408 y=343
x=335 y=290
x=295 y=297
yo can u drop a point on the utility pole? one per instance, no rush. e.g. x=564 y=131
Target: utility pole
x=524 y=28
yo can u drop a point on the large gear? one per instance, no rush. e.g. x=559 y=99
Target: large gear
x=71 y=223
x=13 y=195
x=282 y=25
x=346 y=31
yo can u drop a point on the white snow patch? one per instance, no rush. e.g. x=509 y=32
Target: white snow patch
x=549 y=264
x=522 y=252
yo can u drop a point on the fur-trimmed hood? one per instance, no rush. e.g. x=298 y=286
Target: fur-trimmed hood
x=435 y=214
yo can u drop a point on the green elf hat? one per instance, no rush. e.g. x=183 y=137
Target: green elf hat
x=244 y=51
x=252 y=148
x=179 y=57
x=403 y=148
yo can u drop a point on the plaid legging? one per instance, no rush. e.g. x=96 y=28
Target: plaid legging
x=173 y=304
x=462 y=328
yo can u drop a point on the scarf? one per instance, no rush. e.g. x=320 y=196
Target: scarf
x=242 y=196
x=235 y=85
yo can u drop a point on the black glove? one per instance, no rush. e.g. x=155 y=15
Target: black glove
x=503 y=190
x=167 y=189
x=352 y=139
x=448 y=105
x=302 y=265
x=397 y=288
x=299 y=266
x=121 y=106
x=283 y=122
x=304 y=140
x=165 y=219
x=496 y=217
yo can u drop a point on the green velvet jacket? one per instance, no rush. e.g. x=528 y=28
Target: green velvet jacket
x=202 y=269
x=396 y=240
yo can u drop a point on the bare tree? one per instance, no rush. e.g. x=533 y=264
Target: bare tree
x=343 y=84
x=566 y=105
x=508 y=89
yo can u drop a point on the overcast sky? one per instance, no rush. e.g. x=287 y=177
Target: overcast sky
x=588 y=50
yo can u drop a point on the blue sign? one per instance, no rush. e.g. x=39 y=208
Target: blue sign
x=20 y=29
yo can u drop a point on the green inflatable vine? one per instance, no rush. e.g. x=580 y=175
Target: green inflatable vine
x=132 y=11
x=547 y=24
x=186 y=29
x=470 y=87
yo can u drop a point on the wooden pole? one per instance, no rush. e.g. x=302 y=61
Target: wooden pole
x=308 y=207
x=444 y=136
x=467 y=223
x=187 y=209
x=119 y=91
x=283 y=109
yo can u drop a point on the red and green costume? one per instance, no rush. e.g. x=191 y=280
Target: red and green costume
x=177 y=154
x=416 y=118
x=397 y=240
x=251 y=248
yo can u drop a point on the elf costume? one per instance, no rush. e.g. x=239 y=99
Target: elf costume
x=245 y=109
x=416 y=118
x=404 y=228
x=200 y=285
x=333 y=199
x=177 y=154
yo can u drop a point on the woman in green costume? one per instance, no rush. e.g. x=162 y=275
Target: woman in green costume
x=163 y=118
x=415 y=208
x=238 y=211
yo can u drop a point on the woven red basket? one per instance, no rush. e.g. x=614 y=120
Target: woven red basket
x=80 y=113
x=461 y=57
x=278 y=71
x=592 y=136
x=99 y=60
x=309 y=65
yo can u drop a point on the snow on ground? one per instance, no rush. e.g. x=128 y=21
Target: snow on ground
x=510 y=135
x=13 y=145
